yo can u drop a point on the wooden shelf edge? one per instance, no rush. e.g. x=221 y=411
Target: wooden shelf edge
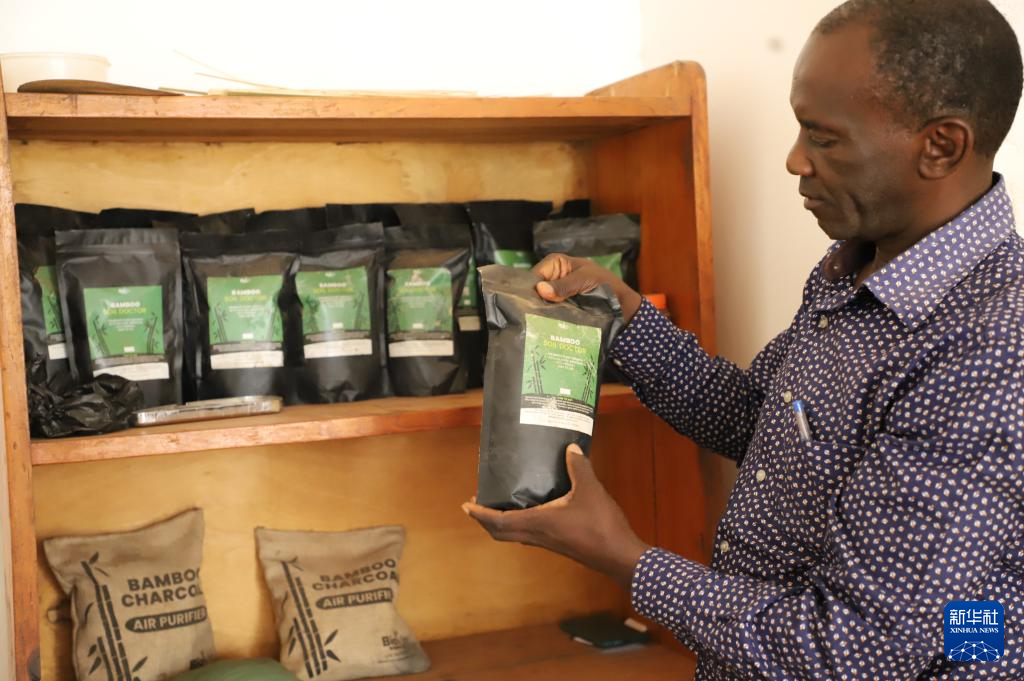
x=310 y=423
x=544 y=652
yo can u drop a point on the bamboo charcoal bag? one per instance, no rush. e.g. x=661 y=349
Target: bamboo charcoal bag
x=339 y=283
x=425 y=274
x=334 y=599
x=122 y=310
x=503 y=231
x=541 y=385
x=611 y=241
x=137 y=602
x=237 y=287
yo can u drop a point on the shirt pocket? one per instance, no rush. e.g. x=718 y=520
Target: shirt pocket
x=902 y=452
x=812 y=476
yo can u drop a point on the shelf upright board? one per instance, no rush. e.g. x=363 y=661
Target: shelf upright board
x=19 y=564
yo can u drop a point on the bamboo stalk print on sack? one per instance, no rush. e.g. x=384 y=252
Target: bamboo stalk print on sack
x=122 y=307
x=138 y=607
x=344 y=583
x=541 y=385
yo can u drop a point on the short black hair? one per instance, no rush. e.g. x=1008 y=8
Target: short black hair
x=942 y=58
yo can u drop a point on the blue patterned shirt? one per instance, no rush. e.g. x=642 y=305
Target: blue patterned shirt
x=836 y=557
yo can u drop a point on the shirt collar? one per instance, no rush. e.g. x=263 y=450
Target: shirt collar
x=913 y=283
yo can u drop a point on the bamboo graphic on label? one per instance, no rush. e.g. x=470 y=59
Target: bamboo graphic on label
x=537 y=364
x=311 y=314
x=151 y=324
x=109 y=649
x=100 y=329
x=588 y=388
x=361 y=322
x=304 y=628
x=218 y=315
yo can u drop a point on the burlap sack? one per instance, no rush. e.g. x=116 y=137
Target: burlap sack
x=137 y=604
x=334 y=602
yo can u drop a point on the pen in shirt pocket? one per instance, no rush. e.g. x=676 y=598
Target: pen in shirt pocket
x=800 y=416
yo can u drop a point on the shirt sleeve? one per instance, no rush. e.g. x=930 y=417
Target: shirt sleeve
x=708 y=399
x=947 y=477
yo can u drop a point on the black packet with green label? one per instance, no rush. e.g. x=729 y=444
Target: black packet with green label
x=296 y=221
x=468 y=311
x=227 y=222
x=612 y=241
x=122 y=307
x=239 y=286
x=339 y=284
x=341 y=214
x=541 y=385
x=503 y=231
x=573 y=208
x=142 y=218
x=41 y=318
x=427 y=267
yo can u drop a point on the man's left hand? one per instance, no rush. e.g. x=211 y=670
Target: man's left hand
x=585 y=525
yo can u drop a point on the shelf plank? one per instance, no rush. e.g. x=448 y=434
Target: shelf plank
x=545 y=653
x=336 y=119
x=308 y=423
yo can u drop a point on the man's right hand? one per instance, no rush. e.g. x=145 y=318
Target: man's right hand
x=565 y=276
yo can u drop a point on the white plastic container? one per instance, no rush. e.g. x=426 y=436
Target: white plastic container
x=24 y=67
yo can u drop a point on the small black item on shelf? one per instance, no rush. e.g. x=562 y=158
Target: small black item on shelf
x=57 y=407
x=603 y=630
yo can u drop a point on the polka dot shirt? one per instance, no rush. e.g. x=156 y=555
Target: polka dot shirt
x=836 y=556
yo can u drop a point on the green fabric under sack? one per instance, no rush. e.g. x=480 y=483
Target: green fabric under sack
x=239 y=670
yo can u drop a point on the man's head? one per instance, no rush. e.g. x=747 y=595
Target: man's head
x=902 y=105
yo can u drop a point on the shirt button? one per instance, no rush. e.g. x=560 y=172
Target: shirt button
x=617 y=362
x=724 y=546
x=787 y=397
x=760 y=475
x=822 y=322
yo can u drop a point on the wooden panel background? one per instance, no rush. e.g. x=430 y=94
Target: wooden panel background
x=455 y=580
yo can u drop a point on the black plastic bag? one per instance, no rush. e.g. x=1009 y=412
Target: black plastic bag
x=612 y=241
x=239 y=286
x=503 y=231
x=468 y=312
x=122 y=307
x=57 y=407
x=227 y=222
x=339 y=285
x=295 y=221
x=341 y=214
x=541 y=385
x=426 y=271
x=142 y=218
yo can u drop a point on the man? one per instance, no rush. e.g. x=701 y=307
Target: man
x=844 y=540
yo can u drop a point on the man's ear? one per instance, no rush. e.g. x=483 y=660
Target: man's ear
x=947 y=143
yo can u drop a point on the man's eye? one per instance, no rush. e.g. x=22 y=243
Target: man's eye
x=821 y=142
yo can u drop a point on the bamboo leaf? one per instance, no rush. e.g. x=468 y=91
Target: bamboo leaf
x=331 y=637
x=95 y=557
x=291 y=646
x=102 y=572
x=139 y=664
x=85 y=617
x=96 y=664
x=330 y=654
x=92 y=650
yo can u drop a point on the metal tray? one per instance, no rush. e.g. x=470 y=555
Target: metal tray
x=203 y=410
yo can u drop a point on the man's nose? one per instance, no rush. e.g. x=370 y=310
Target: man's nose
x=797 y=162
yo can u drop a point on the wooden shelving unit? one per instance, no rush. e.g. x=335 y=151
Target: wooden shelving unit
x=637 y=146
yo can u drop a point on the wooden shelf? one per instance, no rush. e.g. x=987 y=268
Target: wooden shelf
x=545 y=653
x=335 y=119
x=309 y=423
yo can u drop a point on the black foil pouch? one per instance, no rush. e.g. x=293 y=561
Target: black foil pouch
x=573 y=208
x=541 y=385
x=295 y=221
x=468 y=311
x=142 y=218
x=227 y=222
x=503 y=231
x=341 y=214
x=41 y=317
x=426 y=271
x=121 y=304
x=238 y=286
x=339 y=285
x=612 y=241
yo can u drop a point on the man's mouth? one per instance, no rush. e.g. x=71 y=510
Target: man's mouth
x=812 y=203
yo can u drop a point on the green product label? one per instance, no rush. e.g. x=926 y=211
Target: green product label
x=125 y=327
x=335 y=312
x=468 y=298
x=560 y=374
x=47 y=278
x=611 y=262
x=245 y=322
x=420 y=312
x=521 y=260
